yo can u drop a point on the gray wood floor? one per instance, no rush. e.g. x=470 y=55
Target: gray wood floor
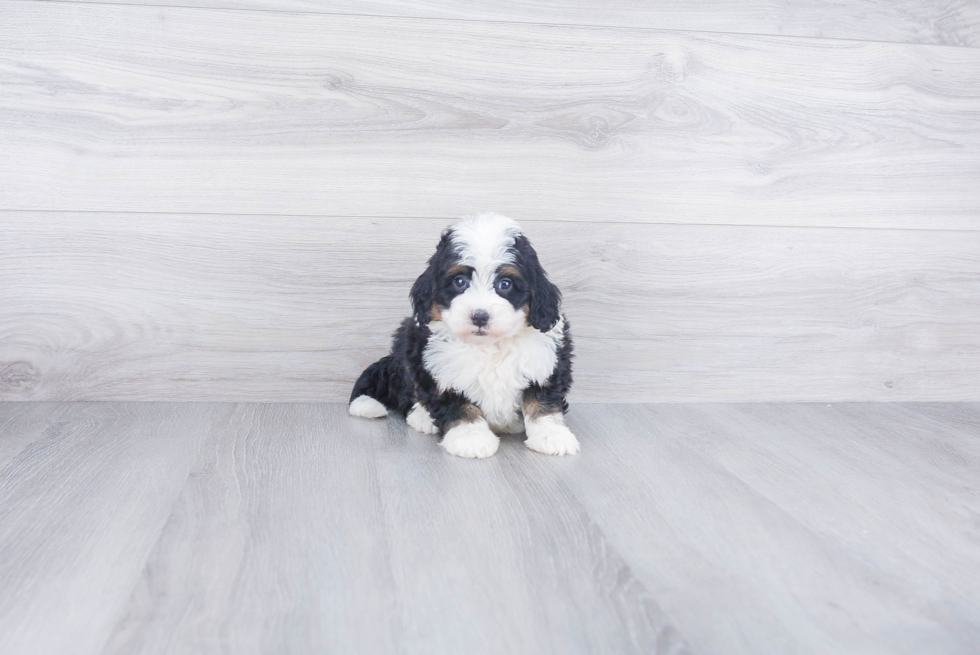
x=272 y=528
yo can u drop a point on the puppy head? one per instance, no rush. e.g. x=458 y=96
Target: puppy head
x=485 y=283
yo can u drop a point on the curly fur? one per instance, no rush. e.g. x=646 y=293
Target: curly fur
x=486 y=350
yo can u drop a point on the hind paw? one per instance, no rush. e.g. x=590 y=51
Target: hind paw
x=367 y=407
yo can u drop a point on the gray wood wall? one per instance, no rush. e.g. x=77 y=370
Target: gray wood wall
x=763 y=200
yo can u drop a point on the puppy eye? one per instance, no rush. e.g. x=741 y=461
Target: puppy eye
x=460 y=282
x=504 y=284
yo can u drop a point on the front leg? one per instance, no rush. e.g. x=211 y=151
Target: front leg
x=465 y=431
x=544 y=423
x=420 y=419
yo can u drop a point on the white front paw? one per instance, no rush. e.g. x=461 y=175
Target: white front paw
x=548 y=435
x=471 y=440
x=420 y=419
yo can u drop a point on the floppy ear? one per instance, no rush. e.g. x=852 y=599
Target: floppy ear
x=423 y=292
x=544 y=307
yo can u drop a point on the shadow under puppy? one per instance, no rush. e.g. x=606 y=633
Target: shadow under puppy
x=486 y=351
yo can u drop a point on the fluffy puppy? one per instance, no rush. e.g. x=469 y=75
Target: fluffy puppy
x=486 y=351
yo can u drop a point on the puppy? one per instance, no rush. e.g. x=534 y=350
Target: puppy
x=487 y=350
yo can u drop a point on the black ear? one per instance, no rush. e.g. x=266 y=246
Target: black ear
x=423 y=292
x=544 y=307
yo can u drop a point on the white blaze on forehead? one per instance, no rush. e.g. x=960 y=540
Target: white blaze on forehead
x=483 y=241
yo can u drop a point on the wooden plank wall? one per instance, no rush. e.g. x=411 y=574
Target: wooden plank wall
x=751 y=202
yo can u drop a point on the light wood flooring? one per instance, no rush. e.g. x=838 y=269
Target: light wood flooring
x=292 y=528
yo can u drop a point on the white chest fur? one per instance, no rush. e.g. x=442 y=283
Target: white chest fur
x=492 y=376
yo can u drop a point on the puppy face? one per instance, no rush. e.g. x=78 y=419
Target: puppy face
x=484 y=303
x=485 y=283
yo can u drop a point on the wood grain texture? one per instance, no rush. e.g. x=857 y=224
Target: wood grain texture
x=510 y=530
x=124 y=307
x=22 y=424
x=948 y=22
x=302 y=530
x=80 y=510
x=709 y=528
x=276 y=544
x=789 y=528
x=123 y=108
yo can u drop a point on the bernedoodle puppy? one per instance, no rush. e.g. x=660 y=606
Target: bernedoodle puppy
x=486 y=351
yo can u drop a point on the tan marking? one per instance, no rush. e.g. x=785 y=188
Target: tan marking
x=469 y=414
x=535 y=409
x=435 y=313
x=510 y=271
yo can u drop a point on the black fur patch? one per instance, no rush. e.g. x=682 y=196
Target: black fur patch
x=544 y=298
x=435 y=285
x=550 y=397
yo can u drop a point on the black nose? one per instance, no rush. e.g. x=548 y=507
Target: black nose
x=480 y=318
